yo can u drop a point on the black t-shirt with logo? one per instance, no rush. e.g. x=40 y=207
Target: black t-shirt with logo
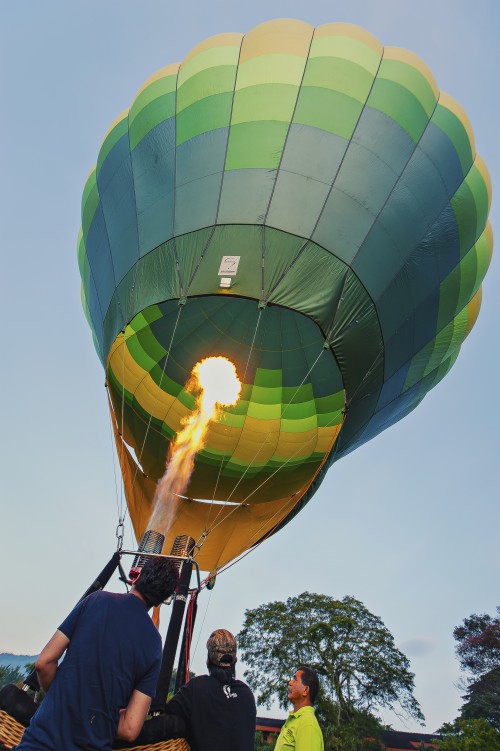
x=218 y=716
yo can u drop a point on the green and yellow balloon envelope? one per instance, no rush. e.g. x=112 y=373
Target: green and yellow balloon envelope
x=306 y=203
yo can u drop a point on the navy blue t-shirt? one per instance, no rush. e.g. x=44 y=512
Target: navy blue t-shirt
x=114 y=649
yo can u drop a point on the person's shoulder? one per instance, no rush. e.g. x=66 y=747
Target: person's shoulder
x=194 y=687
x=95 y=599
x=202 y=683
x=242 y=685
x=199 y=681
x=309 y=718
x=102 y=596
x=244 y=691
x=149 y=632
x=134 y=606
x=109 y=602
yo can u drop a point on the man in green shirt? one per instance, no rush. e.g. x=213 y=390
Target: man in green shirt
x=301 y=731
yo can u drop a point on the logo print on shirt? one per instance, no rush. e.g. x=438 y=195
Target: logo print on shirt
x=227 y=691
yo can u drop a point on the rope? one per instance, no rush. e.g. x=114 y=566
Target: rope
x=204 y=616
x=200 y=542
x=252 y=345
x=272 y=529
x=123 y=397
x=159 y=386
x=235 y=508
x=190 y=619
x=302 y=381
x=368 y=373
x=123 y=515
x=203 y=536
x=119 y=497
x=247 y=468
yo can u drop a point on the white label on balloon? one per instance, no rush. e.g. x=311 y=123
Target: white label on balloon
x=229 y=265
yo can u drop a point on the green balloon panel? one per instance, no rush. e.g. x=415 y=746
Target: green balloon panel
x=349 y=190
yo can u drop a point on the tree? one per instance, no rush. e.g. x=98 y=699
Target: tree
x=478 y=646
x=10 y=674
x=468 y=735
x=483 y=699
x=261 y=744
x=478 y=649
x=361 y=732
x=352 y=651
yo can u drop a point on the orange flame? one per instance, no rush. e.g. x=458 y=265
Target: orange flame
x=217 y=385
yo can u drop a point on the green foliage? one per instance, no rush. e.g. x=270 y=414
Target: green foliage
x=360 y=668
x=360 y=733
x=10 y=674
x=478 y=643
x=483 y=699
x=350 y=648
x=478 y=649
x=261 y=744
x=173 y=678
x=468 y=735
x=16 y=675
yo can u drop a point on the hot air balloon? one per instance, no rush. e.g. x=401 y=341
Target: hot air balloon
x=307 y=204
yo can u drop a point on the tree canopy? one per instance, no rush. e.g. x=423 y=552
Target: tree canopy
x=468 y=735
x=483 y=698
x=360 y=669
x=11 y=674
x=478 y=649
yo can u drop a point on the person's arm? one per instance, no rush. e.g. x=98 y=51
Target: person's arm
x=46 y=664
x=180 y=704
x=132 y=718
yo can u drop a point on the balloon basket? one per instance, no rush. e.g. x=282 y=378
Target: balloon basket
x=179 y=744
x=11 y=733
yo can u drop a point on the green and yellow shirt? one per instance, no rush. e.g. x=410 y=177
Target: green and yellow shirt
x=300 y=732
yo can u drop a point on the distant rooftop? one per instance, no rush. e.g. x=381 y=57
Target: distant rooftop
x=394 y=740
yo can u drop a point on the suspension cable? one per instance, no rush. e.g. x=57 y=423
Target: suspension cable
x=119 y=496
x=272 y=529
x=214 y=523
x=159 y=386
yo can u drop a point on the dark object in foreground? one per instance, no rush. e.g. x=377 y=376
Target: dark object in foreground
x=183 y=545
x=11 y=733
x=17 y=703
x=160 y=728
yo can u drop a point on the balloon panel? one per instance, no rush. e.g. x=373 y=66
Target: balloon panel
x=288 y=415
x=348 y=187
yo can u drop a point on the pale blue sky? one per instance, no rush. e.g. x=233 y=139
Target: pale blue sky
x=408 y=524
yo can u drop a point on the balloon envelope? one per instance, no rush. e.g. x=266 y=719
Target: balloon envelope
x=306 y=203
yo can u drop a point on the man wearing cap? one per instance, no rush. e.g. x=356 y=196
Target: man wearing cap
x=219 y=710
x=301 y=731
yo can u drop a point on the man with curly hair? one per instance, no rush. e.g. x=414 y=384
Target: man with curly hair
x=104 y=686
